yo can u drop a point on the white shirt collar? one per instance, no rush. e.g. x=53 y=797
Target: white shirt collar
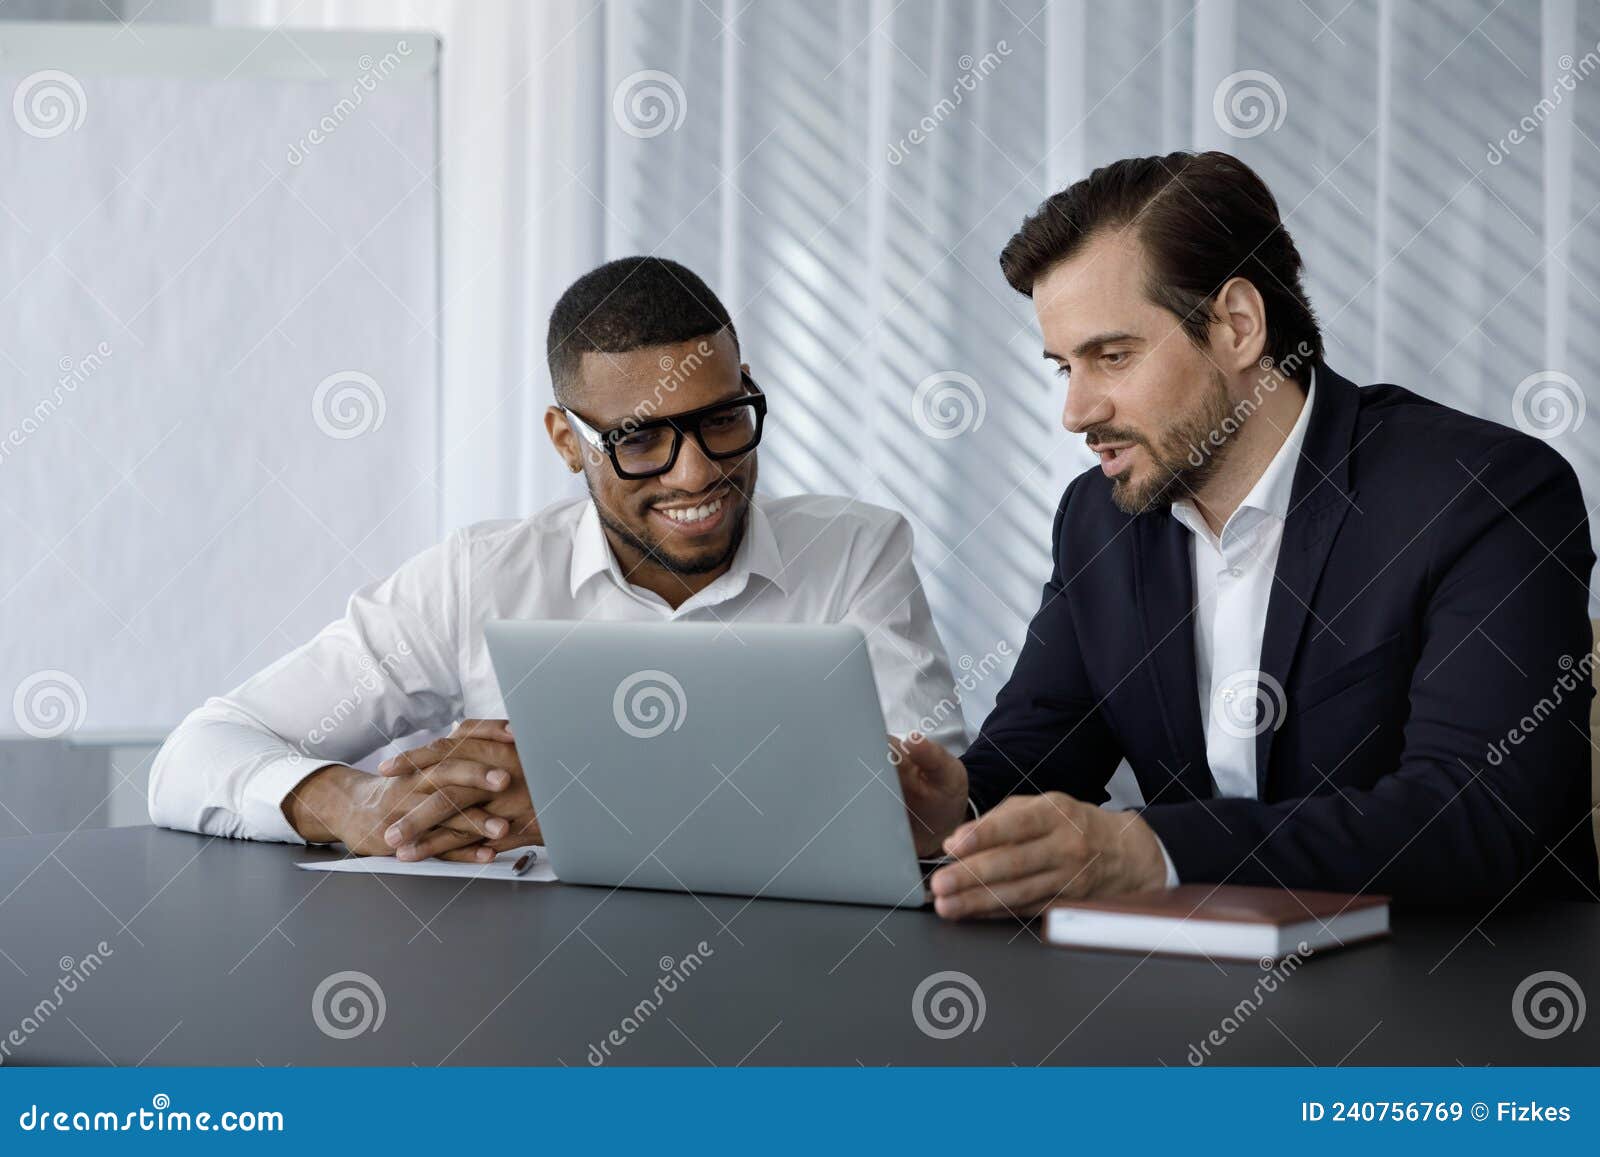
x=1273 y=490
x=758 y=554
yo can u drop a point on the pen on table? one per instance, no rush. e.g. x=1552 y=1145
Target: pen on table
x=525 y=863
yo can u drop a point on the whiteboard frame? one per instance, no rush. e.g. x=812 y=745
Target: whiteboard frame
x=103 y=48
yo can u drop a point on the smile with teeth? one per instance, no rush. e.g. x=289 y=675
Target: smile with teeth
x=692 y=513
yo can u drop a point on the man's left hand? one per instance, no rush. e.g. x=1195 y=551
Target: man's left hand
x=1032 y=851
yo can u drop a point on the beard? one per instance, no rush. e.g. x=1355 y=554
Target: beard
x=1183 y=459
x=657 y=552
x=654 y=550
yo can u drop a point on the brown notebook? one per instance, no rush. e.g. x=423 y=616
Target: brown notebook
x=1229 y=921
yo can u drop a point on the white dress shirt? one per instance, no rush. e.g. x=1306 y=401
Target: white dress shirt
x=1233 y=573
x=409 y=654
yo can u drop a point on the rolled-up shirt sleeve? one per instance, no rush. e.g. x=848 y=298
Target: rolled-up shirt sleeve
x=389 y=667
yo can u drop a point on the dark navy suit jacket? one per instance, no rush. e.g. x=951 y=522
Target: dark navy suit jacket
x=1428 y=626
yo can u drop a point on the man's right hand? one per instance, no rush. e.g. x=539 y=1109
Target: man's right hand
x=934 y=784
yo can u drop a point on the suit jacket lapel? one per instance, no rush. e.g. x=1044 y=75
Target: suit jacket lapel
x=1164 y=590
x=1319 y=500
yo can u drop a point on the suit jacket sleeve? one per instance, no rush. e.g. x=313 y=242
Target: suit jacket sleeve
x=1045 y=732
x=1494 y=769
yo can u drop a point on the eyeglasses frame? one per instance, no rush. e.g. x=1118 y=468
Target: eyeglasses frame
x=681 y=425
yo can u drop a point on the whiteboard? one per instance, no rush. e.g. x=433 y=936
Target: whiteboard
x=219 y=355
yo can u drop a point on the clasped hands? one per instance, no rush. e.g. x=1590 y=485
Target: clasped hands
x=463 y=797
x=477 y=803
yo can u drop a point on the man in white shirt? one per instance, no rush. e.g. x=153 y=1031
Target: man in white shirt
x=657 y=412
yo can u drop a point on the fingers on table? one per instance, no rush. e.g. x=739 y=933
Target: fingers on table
x=482 y=853
x=436 y=841
x=1024 y=897
x=475 y=854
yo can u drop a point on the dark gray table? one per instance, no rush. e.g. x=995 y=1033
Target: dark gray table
x=218 y=948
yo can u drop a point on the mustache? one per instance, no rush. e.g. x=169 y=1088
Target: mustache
x=736 y=485
x=1099 y=435
x=722 y=488
x=729 y=489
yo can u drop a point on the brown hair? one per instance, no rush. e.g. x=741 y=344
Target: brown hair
x=1203 y=218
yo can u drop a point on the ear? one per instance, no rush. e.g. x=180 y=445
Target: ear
x=744 y=367
x=564 y=438
x=1240 y=326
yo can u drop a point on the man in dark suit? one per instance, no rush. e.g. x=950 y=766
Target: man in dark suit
x=1339 y=632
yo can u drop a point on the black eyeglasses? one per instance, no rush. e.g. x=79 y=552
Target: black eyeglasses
x=647 y=448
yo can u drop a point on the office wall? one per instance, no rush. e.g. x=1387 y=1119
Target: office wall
x=846 y=173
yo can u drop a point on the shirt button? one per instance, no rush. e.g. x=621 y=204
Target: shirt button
x=1233 y=572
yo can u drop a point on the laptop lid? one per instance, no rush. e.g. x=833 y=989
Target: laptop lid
x=741 y=758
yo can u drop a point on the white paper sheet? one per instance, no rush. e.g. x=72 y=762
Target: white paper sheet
x=497 y=869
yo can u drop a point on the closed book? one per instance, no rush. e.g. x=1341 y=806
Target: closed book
x=1230 y=921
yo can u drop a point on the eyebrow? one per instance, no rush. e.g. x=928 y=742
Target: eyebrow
x=1088 y=345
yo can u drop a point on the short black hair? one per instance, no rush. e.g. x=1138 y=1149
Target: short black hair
x=629 y=304
x=1203 y=219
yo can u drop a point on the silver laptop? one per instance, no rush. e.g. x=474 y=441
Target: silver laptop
x=748 y=759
